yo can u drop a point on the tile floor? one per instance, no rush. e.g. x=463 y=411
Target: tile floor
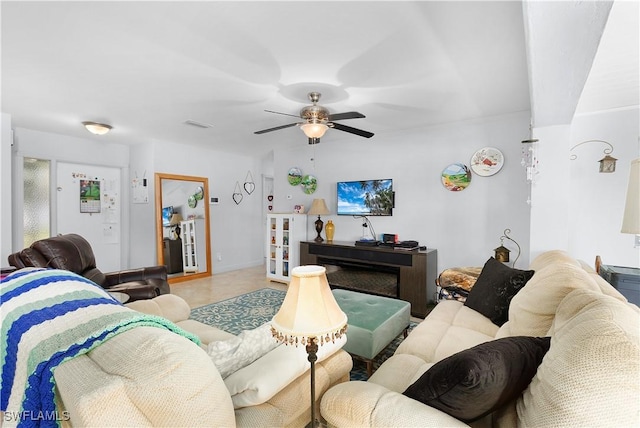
x=221 y=286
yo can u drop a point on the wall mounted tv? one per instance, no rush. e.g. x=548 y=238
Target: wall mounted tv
x=368 y=197
x=167 y=212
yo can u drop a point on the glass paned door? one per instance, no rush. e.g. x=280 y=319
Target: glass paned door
x=37 y=200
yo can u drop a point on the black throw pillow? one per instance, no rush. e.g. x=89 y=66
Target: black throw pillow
x=475 y=382
x=495 y=287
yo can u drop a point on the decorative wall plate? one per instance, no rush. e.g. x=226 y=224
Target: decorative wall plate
x=487 y=161
x=199 y=193
x=192 y=201
x=294 y=176
x=309 y=184
x=456 y=177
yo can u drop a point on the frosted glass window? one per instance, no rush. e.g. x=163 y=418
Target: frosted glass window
x=37 y=203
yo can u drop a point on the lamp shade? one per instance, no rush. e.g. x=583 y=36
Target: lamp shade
x=631 y=219
x=314 y=129
x=309 y=309
x=175 y=219
x=318 y=207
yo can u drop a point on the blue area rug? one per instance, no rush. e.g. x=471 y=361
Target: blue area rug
x=251 y=310
x=244 y=312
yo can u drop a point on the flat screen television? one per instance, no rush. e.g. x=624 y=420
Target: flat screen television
x=368 y=197
x=167 y=212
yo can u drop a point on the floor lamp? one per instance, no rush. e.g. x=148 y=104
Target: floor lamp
x=309 y=316
x=631 y=218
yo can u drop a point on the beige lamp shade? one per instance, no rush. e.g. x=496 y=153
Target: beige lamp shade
x=309 y=309
x=631 y=219
x=318 y=207
x=175 y=219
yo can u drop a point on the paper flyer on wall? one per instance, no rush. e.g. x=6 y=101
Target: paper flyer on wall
x=89 y=196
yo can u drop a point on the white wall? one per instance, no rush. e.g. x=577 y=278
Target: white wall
x=236 y=230
x=597 y=200
x=143 y=227
x=464 y=227
x=237 y=238
x=5 y=188
x=549 y=201
x=84 y=151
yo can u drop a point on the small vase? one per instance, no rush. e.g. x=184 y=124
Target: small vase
x=329 y=229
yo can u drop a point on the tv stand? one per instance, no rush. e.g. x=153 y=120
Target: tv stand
x=415 y=270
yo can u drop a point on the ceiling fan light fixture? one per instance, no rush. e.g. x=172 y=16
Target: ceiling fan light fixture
x=314 y=130
x=97 y=128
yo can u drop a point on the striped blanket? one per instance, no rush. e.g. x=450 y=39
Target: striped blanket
x=49 y=316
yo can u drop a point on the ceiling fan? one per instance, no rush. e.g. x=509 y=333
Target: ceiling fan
x=317 y=119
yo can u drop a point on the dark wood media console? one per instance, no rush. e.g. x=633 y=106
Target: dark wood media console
x=416 y=270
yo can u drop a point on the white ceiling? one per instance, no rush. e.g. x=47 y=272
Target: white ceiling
x=614 y=78
x=147 y=67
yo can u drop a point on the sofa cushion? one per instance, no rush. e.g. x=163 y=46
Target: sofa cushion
x=473 y=383
x=145 y=376
x=265 y=377
x=450 y=327
x=533 y=309
x=552 y=257
x=495 y=287
x=590 y=375
x=169 y=306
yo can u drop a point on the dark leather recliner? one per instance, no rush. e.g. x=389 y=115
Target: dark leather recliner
x=73 y=253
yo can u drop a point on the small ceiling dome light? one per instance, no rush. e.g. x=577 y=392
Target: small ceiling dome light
x=97 y=128
x=314 y=129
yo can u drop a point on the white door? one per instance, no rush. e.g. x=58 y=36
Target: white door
x=89 y=204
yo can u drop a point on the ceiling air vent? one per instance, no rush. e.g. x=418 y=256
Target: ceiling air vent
x=198 y=124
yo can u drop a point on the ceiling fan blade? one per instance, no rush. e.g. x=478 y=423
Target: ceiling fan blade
x=351 y=130
x=276 y=128
x=347 y=115
x=284 y=114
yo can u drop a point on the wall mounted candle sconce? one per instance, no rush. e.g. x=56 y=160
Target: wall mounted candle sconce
x=607 y=163
x=502 y=252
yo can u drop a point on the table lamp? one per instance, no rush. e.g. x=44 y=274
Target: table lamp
x=175 y=221
x=319 y=207
x=309 y=316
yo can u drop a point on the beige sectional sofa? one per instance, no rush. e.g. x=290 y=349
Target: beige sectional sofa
x=148 y=376
x=590 y=375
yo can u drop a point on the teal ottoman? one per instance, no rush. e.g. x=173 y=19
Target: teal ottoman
x=373 y=322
